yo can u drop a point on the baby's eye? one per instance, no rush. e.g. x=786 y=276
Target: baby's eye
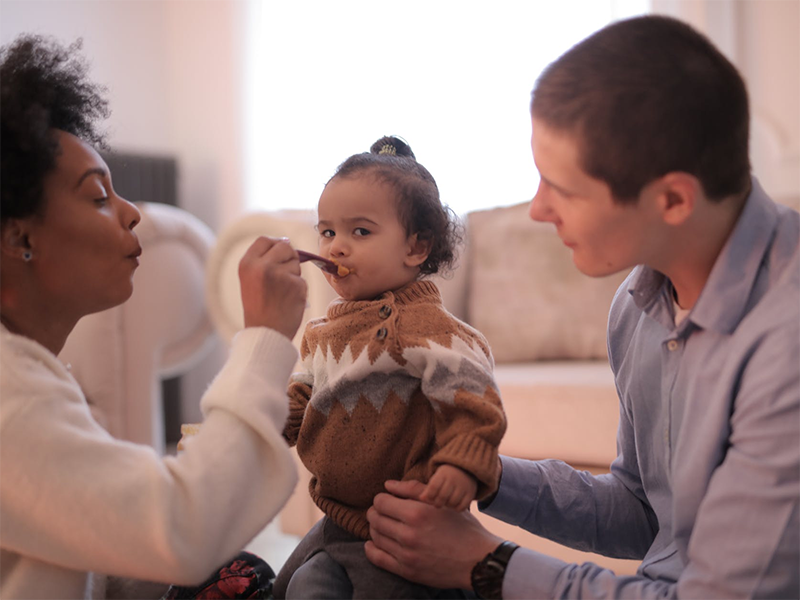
x=327 y=233
x=101 y=201
x=361 y=231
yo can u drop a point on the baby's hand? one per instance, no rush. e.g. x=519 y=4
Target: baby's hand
x=450 y=487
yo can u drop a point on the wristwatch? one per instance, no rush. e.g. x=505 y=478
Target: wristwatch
x=487 y=575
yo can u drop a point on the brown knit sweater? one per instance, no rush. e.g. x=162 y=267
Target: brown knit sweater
x=392 y=388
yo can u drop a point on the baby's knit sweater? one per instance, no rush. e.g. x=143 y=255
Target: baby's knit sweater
x=392 y=388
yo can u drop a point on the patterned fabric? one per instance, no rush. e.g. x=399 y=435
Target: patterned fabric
x=246 y=576
x=392 y=388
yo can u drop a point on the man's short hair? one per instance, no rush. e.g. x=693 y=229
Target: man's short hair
x=645 y=97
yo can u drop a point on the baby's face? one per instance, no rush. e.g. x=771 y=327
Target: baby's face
x=359 y=229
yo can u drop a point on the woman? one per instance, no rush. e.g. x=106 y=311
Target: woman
x=74 y=500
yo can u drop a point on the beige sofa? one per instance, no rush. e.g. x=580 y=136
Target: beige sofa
x=544 y=320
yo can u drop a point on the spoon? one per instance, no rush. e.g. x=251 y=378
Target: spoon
x=323 y=263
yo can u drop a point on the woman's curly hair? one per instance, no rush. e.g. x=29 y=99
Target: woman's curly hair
x=43 y=86
x=421 y=212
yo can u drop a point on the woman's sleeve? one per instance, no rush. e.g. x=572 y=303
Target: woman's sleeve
x=73 y=496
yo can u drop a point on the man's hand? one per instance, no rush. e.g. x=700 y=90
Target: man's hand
x=416 y=540
x=273 y=292
x=450 y=487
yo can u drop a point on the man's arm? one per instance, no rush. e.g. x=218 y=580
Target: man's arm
x=592 y=513
x=439 y=547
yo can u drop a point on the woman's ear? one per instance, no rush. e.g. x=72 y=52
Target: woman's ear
x=418 y=250
x=14 y=239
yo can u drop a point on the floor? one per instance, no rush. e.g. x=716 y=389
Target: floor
x=273 y=545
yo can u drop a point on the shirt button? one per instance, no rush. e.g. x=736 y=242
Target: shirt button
x=385 y=311
x=381 y=333
x=672 y=345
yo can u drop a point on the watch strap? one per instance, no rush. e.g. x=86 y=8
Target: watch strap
x=487 y=575
x=504 y=551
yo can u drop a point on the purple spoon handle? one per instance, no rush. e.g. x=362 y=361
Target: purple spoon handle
x=322 y=263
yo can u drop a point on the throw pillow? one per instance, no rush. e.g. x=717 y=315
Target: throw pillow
x=526 y=295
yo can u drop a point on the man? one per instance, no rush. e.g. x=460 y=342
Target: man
x=640 y=135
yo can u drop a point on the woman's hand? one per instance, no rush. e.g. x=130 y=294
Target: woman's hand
x=429 y=545
x=273 y=292
x=450 y=487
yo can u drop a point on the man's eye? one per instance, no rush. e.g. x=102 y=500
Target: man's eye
x=361 y=231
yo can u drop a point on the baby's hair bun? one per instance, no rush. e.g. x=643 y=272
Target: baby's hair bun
x=393 y=146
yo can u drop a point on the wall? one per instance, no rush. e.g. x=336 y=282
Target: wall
x=173 y=83
x=175 y=77
x=174 y=88
x=761 y=38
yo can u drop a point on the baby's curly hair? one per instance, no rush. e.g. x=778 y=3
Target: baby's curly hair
x=420 y=209
x=43 y=86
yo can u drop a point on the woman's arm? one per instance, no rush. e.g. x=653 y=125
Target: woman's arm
x=73 y=496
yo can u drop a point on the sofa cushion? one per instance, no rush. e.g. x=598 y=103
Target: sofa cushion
x=526 y=295
x=567 y=410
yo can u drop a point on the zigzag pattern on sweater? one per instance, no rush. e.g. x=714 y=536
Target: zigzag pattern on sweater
x=441 y=371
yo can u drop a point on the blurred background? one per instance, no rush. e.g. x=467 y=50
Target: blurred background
x=255 y=102
x=260 y=100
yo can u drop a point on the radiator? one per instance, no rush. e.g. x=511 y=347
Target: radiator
x=144 y=178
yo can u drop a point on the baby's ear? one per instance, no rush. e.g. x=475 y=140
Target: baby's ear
x=419 y=248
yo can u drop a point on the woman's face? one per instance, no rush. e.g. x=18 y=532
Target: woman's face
x=84 y=250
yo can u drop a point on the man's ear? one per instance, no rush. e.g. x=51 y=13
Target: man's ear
x=677 y=196
x=14 y=238
x=419 y=248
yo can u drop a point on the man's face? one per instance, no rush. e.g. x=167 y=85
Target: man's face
x=605 y=237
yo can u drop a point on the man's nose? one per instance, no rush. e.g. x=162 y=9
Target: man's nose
x=541 y=208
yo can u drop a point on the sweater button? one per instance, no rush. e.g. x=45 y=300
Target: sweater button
x=381 y=333
x=385 y=312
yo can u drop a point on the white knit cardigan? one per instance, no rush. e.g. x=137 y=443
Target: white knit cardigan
x=74 y=500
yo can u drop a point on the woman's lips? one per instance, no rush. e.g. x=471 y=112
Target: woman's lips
x=134 y=256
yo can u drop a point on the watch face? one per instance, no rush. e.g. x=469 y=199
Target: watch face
x=495 y=568
x=487 y=578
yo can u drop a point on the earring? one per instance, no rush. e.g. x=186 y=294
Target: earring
x=27 y=256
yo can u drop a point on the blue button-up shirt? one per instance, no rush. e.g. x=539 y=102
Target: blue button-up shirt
x=705 y=488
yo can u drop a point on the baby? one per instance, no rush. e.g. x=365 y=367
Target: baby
x=393 y=386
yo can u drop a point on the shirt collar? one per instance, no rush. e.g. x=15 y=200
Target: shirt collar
x=723 y=301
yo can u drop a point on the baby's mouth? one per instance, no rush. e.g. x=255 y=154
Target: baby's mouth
x=342 y=271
